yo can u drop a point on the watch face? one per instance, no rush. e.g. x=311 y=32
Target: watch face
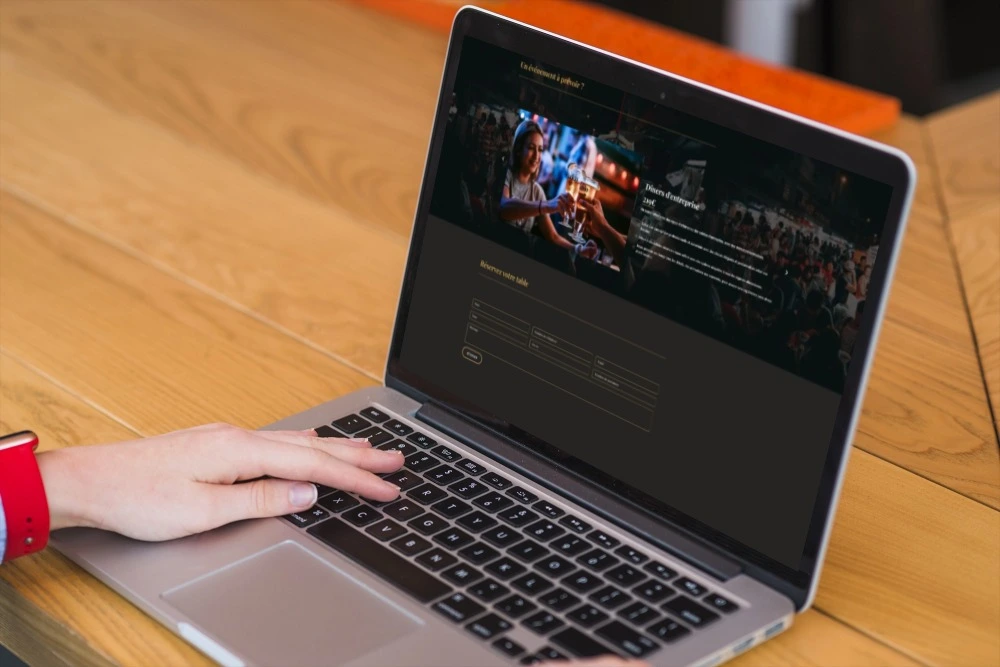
x=18 y=439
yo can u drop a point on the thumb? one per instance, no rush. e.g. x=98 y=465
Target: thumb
x=262 y=498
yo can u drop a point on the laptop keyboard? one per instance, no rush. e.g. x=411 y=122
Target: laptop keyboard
x=490 y=555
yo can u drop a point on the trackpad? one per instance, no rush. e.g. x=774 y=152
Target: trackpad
x=284 y=606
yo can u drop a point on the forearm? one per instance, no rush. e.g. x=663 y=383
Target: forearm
x=516 y=209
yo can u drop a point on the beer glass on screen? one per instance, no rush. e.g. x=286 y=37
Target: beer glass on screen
x=587 y=189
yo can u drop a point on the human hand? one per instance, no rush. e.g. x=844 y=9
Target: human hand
x=589 y=250
x=596 y=222
x=564 y=204
x=185 y=482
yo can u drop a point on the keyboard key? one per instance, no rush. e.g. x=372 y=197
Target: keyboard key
x=375 y=436
x=446 y=454
x=493 y=502
x=631 y=555
x=508 y=647
x=528 y=551
x=436 y=559
x=489 y=626
x=462 y=574
x=470 y=467
x=576 y=524
x=626 y=575
x=427 y=493
x=639 y=613
x=578 y=644
x=587 y=615
x=653 y=591
x=522 y=495
x=544 y=530
x=518 y=516
x=626 y=639
x=660 y=570
x=610 y=597
x=339 y=501
x=554 y=566
x=453 y=538
x=496 y=481
x=458 y=607
x=376 y=557
x=468 y=488
x=327 y=432
x=515 y=606
x=404 y=479
x=668 y=630
x=396 y=426
x=505 y=568
x=410 y=545
x=322 y=490
x=400 y=446
x=502 y=536
x=477 y=521
x=420 y=462
x=583 y=582
x=443 y=475
x=548 y=509
x=362 y=515
x=532 y=583
x=421 y=440
x=597 y=560
x=720 y=603
x=688 y=610
x=489 y=590
x=427 y=524
x=560 y=599
x=307 y=517
x=549 y=653
x=542 y=622
x=403 y=510
x=385 y=530
x=690 y=587
x=451 y=507
x=602 y=538
x=570 y=545
x=374 y=415
x=351 y=424
x=479 y=553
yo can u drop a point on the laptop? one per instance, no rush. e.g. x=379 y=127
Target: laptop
x=631 y=345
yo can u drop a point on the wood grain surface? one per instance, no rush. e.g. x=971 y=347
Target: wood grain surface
x=220 y=195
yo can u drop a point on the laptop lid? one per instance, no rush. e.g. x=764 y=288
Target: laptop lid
x=698 y=344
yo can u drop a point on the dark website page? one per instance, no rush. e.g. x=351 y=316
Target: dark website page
x=690 y=337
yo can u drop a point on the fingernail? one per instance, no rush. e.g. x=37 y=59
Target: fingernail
x=361 y=441
x=303 y=494
x=309 y=431
x=392 y=486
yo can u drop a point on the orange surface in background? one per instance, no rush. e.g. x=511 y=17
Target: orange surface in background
x=824 y=100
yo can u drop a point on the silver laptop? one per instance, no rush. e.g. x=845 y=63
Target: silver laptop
x=625 y=424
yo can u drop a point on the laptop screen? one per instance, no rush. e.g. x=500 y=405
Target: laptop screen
x=671 y=303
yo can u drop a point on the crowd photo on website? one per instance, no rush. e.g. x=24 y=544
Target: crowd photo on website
x=813 y=269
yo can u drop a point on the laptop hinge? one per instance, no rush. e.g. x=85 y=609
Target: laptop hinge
x=569 y=485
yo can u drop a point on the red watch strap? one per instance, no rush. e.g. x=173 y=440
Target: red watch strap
x=25 y=506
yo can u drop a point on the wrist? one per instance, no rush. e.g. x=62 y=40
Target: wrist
x=69 y=502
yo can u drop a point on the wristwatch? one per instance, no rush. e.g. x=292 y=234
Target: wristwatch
x=22 y=495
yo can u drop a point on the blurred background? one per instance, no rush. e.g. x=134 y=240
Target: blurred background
x=928 y=53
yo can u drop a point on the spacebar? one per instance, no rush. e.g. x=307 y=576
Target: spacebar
x=364 y=550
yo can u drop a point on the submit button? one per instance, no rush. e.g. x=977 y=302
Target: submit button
x=475 y=356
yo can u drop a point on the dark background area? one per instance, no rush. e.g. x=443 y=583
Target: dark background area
x=929 y=53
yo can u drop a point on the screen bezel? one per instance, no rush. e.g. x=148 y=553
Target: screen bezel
x=818 y=142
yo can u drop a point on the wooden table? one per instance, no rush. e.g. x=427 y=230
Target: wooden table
x=205 y=210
